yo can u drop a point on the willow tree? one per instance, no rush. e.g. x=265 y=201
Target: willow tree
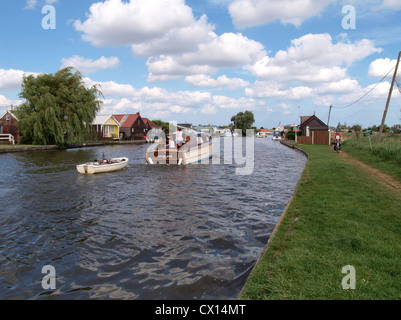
x=57 y=109
x=243 y=121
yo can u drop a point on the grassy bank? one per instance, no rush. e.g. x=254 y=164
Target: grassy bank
x=339 y=216
x=385 y=156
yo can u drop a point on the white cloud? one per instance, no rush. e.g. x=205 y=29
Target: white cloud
x=380 y=67
x=226 y=51
x=114 y=22
x=246 y=13
x=175 y=42
x=179 y=109
x=223 y=81
x=88 y=66
x=209 y=109
x=313 y=58
x=11 y=79
x=275 y=90
x=5 y=102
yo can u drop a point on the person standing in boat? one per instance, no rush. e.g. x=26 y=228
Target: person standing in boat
x=179 y=139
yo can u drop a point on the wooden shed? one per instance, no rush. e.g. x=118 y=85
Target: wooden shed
x=314 y=131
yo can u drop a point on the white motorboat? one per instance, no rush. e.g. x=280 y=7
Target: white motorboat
x=197 y=149
x=277 y=135
x=101 y=166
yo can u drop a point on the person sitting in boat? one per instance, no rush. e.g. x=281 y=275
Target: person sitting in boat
x=190 y=142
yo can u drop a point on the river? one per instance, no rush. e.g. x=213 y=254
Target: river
x=147 y=232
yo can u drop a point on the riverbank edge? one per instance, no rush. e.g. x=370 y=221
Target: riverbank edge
x=271 y=238
x=71 y=146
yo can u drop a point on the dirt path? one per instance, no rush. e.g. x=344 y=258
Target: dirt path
x=385 y=179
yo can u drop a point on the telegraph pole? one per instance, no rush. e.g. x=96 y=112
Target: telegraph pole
x=328 y=124
x=388 y=99
x=328 y=120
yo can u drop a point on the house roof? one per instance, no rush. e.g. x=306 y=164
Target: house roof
x=102 y=119
x=10 y=112
x=127 y=120
x=307 y=119
x=152 y=124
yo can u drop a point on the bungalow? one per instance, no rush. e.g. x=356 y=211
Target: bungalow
x=106 y=127
x=314 y=131
x=132 y=127
x=9 y=126
x=263 y=133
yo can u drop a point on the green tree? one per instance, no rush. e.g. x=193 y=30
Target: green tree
x=243 y=121
x=58 y=108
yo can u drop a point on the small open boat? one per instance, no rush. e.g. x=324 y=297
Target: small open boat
x=101 y=166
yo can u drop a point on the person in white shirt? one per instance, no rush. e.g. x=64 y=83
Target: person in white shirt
x=179 y=137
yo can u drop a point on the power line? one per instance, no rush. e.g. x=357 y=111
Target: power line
x=367 y=92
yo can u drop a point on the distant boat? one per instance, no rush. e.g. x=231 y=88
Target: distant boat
x=101 y=166
x=199 y=148
x=277 y=135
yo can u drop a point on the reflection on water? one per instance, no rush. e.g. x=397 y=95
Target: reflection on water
x=147 y=232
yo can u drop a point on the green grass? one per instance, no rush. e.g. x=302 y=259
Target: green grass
x=385 y=156
x=339 y=216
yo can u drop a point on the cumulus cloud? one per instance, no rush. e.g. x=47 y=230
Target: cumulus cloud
x=276 y=90
x=247 y=13
x=313 y=58
x=202 y=80
x=5 y=102
x=88 y=66
x=11 y=79
x=167 y=33
x=380 y=67
x=226 y=51
x=114 y=22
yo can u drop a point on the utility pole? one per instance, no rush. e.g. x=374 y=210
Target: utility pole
x=328 y=120
x=328 y=124
x=388 y=99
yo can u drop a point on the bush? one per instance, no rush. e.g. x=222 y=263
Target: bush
x=290 y=135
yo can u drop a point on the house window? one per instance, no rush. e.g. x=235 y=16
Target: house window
x=307 y=131
x=139 y=122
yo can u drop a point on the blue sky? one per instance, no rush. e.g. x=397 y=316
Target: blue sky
x=202 y=62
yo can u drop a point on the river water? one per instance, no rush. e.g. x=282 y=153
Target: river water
x=147 y=232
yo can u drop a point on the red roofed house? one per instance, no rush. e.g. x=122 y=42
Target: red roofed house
x=8 y=125
x=133 y=127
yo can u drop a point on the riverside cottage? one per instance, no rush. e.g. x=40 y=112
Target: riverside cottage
x=9 y=131
x=132 y=126
x=314 y=131
x=106 y=127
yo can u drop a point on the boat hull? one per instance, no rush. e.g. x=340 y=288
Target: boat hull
x=103 y=167
x=183 y=156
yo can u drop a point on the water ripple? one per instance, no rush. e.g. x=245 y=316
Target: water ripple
x=147 y=232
